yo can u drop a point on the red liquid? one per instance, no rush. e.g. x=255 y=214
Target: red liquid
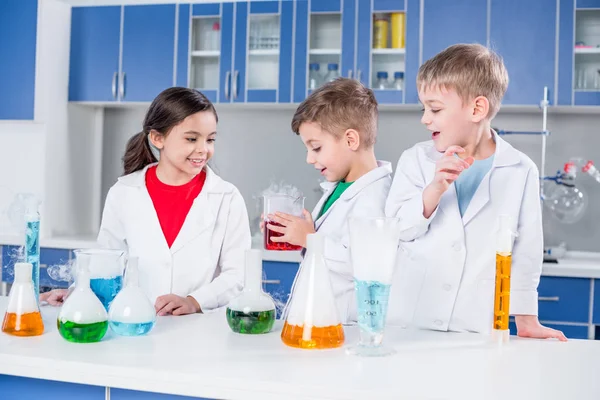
x=270 y=245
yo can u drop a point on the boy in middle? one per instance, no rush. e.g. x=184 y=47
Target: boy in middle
x=338 y=125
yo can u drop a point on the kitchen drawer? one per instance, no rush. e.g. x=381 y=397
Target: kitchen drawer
x=278 y=280
x=564 y=299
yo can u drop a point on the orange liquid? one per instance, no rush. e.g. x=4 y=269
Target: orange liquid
x=327 y=337
x=502 y=292
x=29 y=324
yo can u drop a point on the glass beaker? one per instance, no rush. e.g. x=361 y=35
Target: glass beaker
x=280 y=203
x=131 y=313
x=253 y=311
x=23 y=316
x=106 y=268
x=311 y=317
x=373 y=248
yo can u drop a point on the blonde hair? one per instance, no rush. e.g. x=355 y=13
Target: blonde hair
x=471 y=69
x=338 y=106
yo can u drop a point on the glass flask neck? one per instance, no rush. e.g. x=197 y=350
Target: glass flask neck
x=253 y=273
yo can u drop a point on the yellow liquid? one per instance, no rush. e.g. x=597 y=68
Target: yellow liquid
x=327 y=337
x=29 y=324
x=502 y=291
x=398 y=30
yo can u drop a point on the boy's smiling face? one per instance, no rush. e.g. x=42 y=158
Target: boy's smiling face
x=328 y=154
x=448 y=118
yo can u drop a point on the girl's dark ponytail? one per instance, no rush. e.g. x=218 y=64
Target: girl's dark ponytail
x=137 y=153
x=168 y=109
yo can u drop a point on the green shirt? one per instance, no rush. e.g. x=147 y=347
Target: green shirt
x=339 y=189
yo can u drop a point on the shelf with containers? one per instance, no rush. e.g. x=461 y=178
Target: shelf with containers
x=242 y=52
x=324 y=48
x=586 y=74
x=388 y=56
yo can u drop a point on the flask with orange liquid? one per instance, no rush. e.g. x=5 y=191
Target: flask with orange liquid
x=311 y=317
x=504 y=244
x=23 y=316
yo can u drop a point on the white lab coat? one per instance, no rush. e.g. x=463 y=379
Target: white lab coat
x=206 y=260
x=364 y=198
x=444 y=279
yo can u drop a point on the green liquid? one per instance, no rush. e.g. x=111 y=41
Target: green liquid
x=253 y=323
x=82 y=333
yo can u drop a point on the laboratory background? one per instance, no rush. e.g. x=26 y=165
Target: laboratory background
x=77 y=77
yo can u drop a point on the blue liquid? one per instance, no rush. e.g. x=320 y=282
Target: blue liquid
x=106 y=289
x=372 y=297
x=131 y=329
x=32 y=253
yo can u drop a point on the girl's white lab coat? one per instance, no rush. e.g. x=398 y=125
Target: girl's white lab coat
x=206 y=260
x=364 y=198
x=445 y=274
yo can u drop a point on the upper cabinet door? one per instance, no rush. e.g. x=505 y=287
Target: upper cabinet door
x=148 y=51
x=18 y=28
x=450 y=22
x=94 y=59
x=238 y=78
x=524 y=34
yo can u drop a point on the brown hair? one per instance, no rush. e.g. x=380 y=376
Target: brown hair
x=340 y=105
x=470 y=69
x=168 y=109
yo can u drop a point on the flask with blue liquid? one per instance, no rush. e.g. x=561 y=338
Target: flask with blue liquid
x=131 y=313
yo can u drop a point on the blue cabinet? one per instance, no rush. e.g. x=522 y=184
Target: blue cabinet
x=278 y=280
x=18 y=388
x=148 y=51
x=94 y=59
x=123 y=394
x=451 y=22
x=524 y=34
x=596 y=316
x=18 y=30
x=121 y=53
x=564 y=299
x=48 y=258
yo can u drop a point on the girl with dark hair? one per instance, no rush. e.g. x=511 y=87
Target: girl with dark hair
x=188 y=227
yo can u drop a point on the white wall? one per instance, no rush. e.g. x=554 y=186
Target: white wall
x=256 y=146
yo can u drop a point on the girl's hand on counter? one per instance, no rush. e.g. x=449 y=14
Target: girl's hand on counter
x=54 y=297
x=529 y=326
x=176 y=305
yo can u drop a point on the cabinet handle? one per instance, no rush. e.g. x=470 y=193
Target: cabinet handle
x=235 y=84
x=43 y=266
x=271 y=281
x=227 y=81
x=114 y=85
x=122 y=86
x=551 y=298
x=359 y=75
x=350 y=74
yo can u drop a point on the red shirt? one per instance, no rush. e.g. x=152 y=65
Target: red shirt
x=172 y=203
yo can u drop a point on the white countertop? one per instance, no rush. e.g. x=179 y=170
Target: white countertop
x=197 y=355
x=576 y=264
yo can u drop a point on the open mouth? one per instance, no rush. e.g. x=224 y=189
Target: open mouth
x=197 y=162
x=323 y=171
x=435 y=135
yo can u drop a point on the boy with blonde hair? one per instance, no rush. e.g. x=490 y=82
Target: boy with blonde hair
x=449 y=193
x=338 y=126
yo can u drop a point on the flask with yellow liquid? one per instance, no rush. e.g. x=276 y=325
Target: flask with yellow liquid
x=311 y=316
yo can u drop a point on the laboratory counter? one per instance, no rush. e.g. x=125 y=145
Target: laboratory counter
x=198 y=356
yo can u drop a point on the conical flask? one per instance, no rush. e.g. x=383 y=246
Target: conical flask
x=131 y=313
x=23 y=316
x=312 y=320
x=253 y=311
x=82 y=318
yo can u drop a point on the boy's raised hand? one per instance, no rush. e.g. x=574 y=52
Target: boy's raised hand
x=294 y=229
x=447 y=170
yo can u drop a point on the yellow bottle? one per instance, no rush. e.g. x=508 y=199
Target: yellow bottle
x=398 y=23
x=380 y=32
